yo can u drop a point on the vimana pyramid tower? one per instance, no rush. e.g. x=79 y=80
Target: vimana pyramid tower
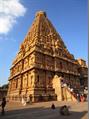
x=43 y=63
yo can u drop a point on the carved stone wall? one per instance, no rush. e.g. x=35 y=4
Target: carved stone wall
x=41 y=56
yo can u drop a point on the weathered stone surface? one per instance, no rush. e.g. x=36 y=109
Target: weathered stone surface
x=41 y=56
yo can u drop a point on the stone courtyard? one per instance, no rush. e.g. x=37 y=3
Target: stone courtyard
x=42 y=110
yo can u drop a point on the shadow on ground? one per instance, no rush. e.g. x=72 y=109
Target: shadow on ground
x=42 y=113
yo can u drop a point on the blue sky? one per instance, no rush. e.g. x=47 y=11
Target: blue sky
x=69 y=17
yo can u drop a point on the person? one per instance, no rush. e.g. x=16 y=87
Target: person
x=71 y=89
x=82 y=98
x=85 y=96
x=28 y=99
x=64 y=110
x=52 y=106
x=3 y=104
x=78 y=97
x=23 y=101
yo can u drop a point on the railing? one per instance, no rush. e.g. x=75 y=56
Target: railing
x=72 y=93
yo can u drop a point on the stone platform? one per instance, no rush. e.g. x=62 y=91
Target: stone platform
x=43 y=111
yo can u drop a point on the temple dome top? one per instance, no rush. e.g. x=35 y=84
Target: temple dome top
x=40 y=13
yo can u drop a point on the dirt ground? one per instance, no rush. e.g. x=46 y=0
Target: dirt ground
x=15 y=110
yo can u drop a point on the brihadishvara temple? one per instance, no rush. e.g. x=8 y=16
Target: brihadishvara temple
x=43 y=68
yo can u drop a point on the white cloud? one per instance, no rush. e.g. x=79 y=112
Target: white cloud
x=10 y=10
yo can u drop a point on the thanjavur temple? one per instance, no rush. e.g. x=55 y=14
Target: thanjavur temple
x=43 y=64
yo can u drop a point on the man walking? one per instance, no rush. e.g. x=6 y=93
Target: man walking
x=3 y=104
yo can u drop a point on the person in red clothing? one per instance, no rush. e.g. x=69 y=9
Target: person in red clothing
x=82 y=98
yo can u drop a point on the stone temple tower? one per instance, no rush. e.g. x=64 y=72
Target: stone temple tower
x=42 y=56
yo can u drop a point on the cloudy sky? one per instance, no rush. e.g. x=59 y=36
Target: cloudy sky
x=16 y=16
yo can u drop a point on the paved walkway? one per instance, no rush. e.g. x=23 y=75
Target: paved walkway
x=43 y=111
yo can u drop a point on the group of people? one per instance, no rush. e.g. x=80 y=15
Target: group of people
x=81 y=97
x=64 y=110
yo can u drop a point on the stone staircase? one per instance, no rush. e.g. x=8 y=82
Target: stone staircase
x=64 y=92
x=67 y=95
